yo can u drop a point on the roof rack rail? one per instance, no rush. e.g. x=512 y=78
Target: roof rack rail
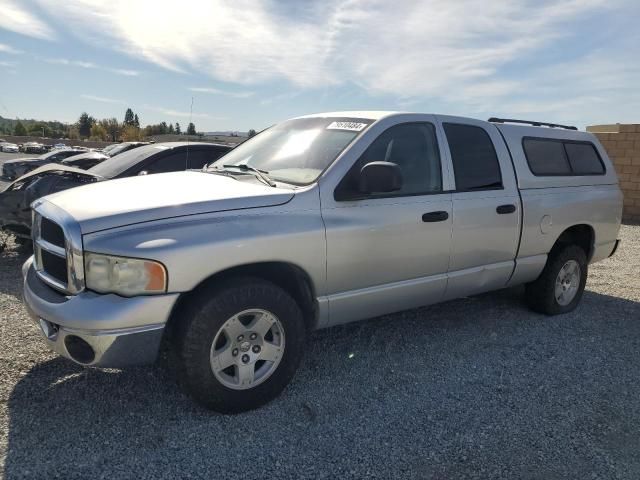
x=527 y=122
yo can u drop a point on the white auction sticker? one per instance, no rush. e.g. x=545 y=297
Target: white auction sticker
x=353 y=126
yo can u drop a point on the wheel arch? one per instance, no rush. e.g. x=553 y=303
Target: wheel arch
x=582 y=235
x=288 y=276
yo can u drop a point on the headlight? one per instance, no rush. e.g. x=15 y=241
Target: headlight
x=124 y=276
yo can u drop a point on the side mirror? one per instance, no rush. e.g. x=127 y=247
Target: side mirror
x=143 y=172
x=380 y=177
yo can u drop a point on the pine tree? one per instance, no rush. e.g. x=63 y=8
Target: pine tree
x=19 y=129
x=129 y=118
x=85 y=122
x=136 y=121
x=191 y=129
x=178 y=131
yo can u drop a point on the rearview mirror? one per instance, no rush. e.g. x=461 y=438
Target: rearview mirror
x=380 y=177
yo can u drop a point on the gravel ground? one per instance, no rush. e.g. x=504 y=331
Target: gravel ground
x=474 y=388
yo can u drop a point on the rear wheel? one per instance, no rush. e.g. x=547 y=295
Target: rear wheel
x=560 y=286
x=237 y=347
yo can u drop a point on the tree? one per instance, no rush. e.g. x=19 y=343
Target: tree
x=131 y=134
x=19 y=129
x=252 y=133
x=99 y=132
x=136 y=121
x=191 y=129
x=84 y=124
x=129 y=118
x=113 y=128
x=178 y=131
x=171 y=130
x=40 y=130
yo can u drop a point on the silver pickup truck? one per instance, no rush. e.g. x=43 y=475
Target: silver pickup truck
x=316 y=221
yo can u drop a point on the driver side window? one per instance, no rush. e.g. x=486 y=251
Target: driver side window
x=411 y=146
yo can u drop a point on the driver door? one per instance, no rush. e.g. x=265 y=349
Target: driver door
x=390 y=252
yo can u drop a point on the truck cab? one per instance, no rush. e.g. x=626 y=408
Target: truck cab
x=317 y=221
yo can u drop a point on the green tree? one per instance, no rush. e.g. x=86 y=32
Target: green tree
x=252 y=133
x=129 y=118
x=178 y=131
x=40 y=130
x=191 y=129
x=19 y=129
x=99 y=132
x=131 y=134
x=113 y=128
x=85 y=123
x=171 y=130
x=136 y=121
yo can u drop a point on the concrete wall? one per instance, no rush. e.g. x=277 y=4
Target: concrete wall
x=622 y=143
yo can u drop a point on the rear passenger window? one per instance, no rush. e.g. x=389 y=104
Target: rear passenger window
x=550 y=157
x=475 y=162
x=584 y=159
x=546 y=157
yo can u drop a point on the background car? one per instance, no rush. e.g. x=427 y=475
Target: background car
x=85 y=160
x=13 y=169
x=33 y=147
x=15 y=213
x=7 y=147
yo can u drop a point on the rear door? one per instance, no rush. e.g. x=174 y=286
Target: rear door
x=486 y=208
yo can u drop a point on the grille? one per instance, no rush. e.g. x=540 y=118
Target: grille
x=54 y=266
x=50 y=253
x=57 y=248
x=52 y=232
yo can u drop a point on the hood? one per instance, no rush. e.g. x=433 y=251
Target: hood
x=104 y=205
x=55 y=168
x=20 y=160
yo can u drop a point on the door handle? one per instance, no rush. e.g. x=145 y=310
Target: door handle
x=435 y=217
x=503 y=209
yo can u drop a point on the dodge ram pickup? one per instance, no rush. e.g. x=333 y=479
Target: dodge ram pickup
x=314 y=222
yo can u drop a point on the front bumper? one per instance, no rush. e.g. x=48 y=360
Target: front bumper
x=97 y=330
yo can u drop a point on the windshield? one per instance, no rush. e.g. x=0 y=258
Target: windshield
x=296 y=151
x=112 y=152
x=114 y=166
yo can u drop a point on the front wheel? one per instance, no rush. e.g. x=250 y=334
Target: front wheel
x=237 y=347
x=560 y=286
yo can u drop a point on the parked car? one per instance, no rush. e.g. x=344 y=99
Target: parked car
x=317 y=221
x=85 y=160
x=60 y=146
x=15 y=213
x=119 y=148
x=33 y=147
x=7 y=147
x=13 y=169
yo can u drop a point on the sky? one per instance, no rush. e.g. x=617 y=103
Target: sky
x=248 y=64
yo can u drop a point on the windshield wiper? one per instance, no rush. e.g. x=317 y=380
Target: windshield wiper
x=262 y=174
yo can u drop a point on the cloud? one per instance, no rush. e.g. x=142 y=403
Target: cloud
x=468 y=55
x=4 y=48
x=15 y=17
x=91 y=65
x=96 y=98
x=217 y=91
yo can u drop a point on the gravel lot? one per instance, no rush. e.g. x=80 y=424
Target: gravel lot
x=474 y=388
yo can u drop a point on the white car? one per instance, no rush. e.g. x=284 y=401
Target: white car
x=7 y=147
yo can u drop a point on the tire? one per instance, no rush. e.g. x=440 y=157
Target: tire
x=541 y=295
x=212 y=316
